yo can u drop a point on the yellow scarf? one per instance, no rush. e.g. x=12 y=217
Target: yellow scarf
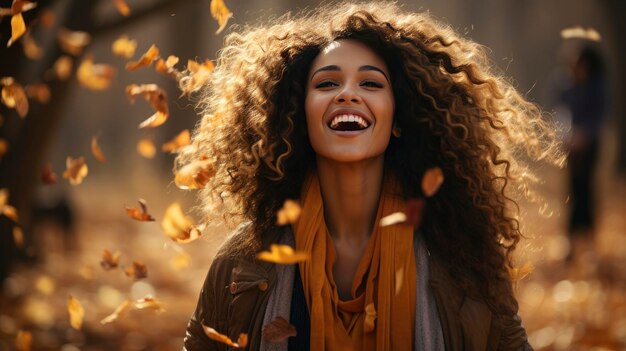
x=385 y=280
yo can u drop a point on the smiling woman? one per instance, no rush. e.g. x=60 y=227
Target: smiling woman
x=344 y=109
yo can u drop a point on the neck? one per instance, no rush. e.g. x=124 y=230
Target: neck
x=351 y=193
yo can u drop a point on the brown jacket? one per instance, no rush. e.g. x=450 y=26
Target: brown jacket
x=237 y=288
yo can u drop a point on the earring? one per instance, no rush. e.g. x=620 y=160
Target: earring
x=396 y=131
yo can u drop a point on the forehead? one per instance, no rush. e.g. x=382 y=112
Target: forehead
x=347 y=53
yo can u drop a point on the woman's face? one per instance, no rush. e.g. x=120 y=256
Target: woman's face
x=349 y=103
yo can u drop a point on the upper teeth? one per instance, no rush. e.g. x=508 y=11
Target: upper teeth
x=348 y=118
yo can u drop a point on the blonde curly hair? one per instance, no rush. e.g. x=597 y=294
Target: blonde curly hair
x=454 y=112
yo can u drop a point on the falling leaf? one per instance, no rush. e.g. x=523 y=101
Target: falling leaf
x=432 y=180
x=47 y=175
x=148 y=302
x=370 y=318
x=6 y=209
x=180 y=260
x=283 y=254
x=167 y=66
x=95 y=76
x=45 y=285
x=581 y=33
x=177 y=226
x=18 y=28
x=13 y=96
x=221 y=13
x=137 y=271
x=87 y=272
x=40 y=92
x=241 y=343
x=23 y=340
x=18 y=237
x=157 y=98
x=63 y=67
x=4 y=147
x=289 y=213
x=278 y=330
x=73 y=42
x=140 y=214
x=145 y=60
x=119 y=311
x=124 y=47
x=76 y=170
x=32 y=50
x=519 y=273
x=199 y=75
x=146 y=148
x=47 y=18
x=182 y=139
x=411 y=216
x=122 y=7
x=76 y=311
x=194 y=175
x=96 y=151
x=110 y=261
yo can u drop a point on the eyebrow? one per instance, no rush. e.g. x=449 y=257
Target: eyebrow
x=361 y=69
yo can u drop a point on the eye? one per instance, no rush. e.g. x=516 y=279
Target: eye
x=372 y=84
x=326 y=84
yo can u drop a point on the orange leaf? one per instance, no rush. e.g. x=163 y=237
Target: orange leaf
x=110 y=261
x=13 y=96
x=76 y=311
x=119 y=311
x=47 y=175
x=18 y=237
x=140 y=214
x=241 y=343
x=96 y=151
x=177 y=226
x=63 y=67
x=76 y=170
x=411 y=216
x=18 y=28
x=432 y=180
x=289 y=213
x=124 y=47
x=221 y=13
x=31 y=49
x=167 y=66
x=22 y=6
x=581 y=33
x=47 y=18
x=180 y=140
x=200 y=74
x=283 y=254
x=73 y=42
x=95 y=76
x=194 y=175
x=137 y=271
x=146 y=148
x=278 y=330
x=6 y=209
x=370 y=318
x=122 y=7
x=145 y=60
x=40 y=92
x=4 y=147
x=148 y=302
x=23 y=340
x=157 y=98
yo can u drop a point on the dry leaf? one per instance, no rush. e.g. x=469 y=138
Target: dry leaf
x=23 y=340
x=146 y=148
x=122 y=7
x=221 y=13
x=241 y=343
x=76 y=311
x=581 y=33
x=4 y=147
x=110 y=261
x=76 y=170
x=149 y=302
x=119 y=311
x=47 y=18
x=194 y=175
x=137 y=271
x=177 y=226
x=157 y=98
x=181 y=260
x=519 y=273
x=199 y=75
x=31 y=49
x=63 y=67
x=278 y=330
x=432 y=180
x=18 y=28
x=182 y=139
x=40 y=92
x=370 y=318
x=73 y=42
x=145 y=60
x=47 y=175
x=167 y=66
x=140 y=214
x=13 y=96
x=289 y=213
x=18 y=237
x=282 y=254
x=95 y=76
x=6 y=209
x=96 y=151
x=124 y=47
x=411 y=216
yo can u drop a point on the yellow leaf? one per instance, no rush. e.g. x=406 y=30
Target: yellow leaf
x=181 y=260
x=124 y=47
x=146 y=148
x=63 y=67
x=149 y=302
x=23 y=340
x=6 y=209
x=180 y=140
x=73 y=42
x=194 y=175
x=177 y=226
x=122 y=7
x=96 y=151
x=31 y=49
x=119 y=311
x=18 y=28
x=200 y=74
x=76 y=311
x=167 y=66
x=145 y=60
x=14 y=96
x=76 y=170
x=289 y=213
x=157 y=98
x=95 y=76
x=283 y=254
x=241 y=343
x=221 y=13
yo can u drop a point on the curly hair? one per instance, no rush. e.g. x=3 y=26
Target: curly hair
x=454 y=112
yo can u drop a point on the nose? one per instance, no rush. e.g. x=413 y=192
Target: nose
x=347 y=94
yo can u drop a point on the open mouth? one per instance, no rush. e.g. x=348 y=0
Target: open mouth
x=347 y=122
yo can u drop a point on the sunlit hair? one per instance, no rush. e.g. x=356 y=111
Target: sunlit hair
x=453 y=110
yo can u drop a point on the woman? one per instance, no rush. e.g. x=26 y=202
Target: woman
x=344 y=109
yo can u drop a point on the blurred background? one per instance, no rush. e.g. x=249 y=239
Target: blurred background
x=566 y=55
